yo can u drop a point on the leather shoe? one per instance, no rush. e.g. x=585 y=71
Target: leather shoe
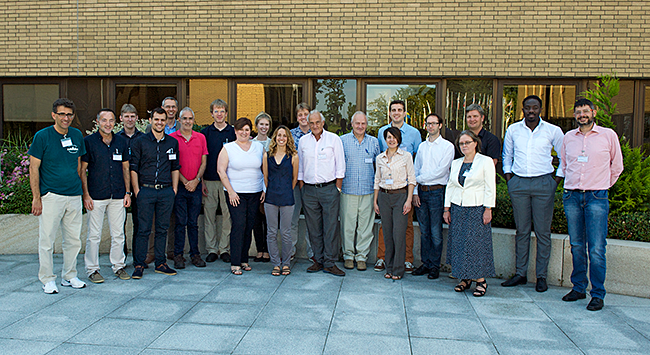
x=315 y=267
x=433 y=274
x=334 y=270
x=596 y=304
x=574 y=296
x=421 y=270
x=212 y=257
x=225 y=257
x=514 y=281
x=361 y=266
x=541 y=285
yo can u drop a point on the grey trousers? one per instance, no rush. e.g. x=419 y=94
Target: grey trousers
x=394 y=224
x=295 y=219
x=278 y=216
x=532 y=203
x=321 y=207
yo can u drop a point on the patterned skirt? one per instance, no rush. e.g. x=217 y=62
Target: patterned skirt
x=469 y=243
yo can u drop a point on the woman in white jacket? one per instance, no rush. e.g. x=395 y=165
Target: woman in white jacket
x=469 y=199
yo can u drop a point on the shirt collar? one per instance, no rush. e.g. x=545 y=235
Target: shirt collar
x=99 y=137
x=596 y=129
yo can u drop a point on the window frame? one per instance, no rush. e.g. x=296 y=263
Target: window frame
x=307 y=90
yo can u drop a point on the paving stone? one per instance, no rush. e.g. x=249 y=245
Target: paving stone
x=312 y=317
x=86 y=349
x=528 y=336
x=447 y=326
x=285 y=341
x=339 y=343
x=124 y=332
x=26 y=347
x=426 y=346
x=200 y=337
x=222 y=313
x=381 y=323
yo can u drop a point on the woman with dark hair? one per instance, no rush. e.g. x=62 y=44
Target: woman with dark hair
x=469 y=199
x=394 y=183
x=240 y=169
x=280 y=167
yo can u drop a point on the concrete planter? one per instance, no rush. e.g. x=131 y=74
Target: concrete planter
x=626 y=260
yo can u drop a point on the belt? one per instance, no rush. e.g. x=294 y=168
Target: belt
x=581 y=191
x=431 y=187
x=157 y=186
x=395 y=191
x=322 y=184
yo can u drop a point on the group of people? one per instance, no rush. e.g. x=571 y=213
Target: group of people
x=262 y=184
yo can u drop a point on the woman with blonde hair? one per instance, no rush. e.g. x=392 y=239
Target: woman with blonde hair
x=280 y=168
x=263 y=126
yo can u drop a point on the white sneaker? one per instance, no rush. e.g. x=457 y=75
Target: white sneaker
x=379 y=265
x=74 y=283
x=408 y=267
x=50 y=288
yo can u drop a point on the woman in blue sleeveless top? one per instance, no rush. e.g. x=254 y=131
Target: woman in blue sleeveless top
x=280 y=167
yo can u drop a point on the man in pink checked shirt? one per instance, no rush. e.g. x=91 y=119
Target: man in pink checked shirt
x=591 y=162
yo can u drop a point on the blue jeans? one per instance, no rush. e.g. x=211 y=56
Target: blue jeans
x=153 y=205
x=586 y=214
x=187 y=208
x=430 y=218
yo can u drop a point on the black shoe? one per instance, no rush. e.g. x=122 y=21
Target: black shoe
x=596 y=304
x=514 y=281
x=433 y=274
x=574 y=296
x=225 y=257
x=212 y=257
x=258 y=259
x=164 y=269
x=541 y=285
x=179 y=262
x=421 y=270
x=197 y=261
x=137 y=273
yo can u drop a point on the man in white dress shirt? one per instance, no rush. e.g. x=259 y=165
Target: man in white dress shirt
x=320 y=177
x=432 y=164
x=527 y=165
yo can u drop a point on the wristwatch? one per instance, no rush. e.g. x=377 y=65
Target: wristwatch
x=129 y=193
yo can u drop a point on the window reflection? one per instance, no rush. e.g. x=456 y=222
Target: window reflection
x=462 y=93
x=646 y=121
x=420 y=101
x=27 y=107
x=278 y=100
x=557 y=104
x=144 y=97
x=336 y=99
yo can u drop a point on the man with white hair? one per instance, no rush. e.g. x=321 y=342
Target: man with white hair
x=357 y=194
x=320 y=176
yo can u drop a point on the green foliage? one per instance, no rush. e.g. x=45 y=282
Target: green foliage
x=140 y=125
x=630 y=226
x=334 y=93
x=15 y=192
x=631 y=192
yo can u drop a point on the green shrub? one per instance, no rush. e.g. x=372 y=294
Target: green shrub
x=15 y=193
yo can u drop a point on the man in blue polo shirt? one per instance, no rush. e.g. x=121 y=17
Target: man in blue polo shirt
x=54 y=177
x=411 y=139
x=106 y=191
x=154 y=177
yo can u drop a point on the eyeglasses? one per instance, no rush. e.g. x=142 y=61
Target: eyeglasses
x=462 y=144
x=432 y=123
x=63 y=114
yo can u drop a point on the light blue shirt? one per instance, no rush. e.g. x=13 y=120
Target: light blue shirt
x=411 y=138
x=359 y=164
x=297 y=133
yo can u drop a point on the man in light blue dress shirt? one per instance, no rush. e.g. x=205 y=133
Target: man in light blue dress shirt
x=357 y=195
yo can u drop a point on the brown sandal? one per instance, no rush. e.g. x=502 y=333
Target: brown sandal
x=388 y=276
x=396 y=277
x=286 y=270
x=235 y=270
x=246 y=267
x=463 y=285
x=276 y=271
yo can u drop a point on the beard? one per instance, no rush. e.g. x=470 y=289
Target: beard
x=589 y=121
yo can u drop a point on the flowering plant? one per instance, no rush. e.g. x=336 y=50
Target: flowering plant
x=15 y=193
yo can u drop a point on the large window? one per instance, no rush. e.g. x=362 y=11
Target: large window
x=144 y=97
x=462 y=93
x=278 y=100
x=420 y=101
x=557 y=104
x=646 y=118
x=201 y=94
x=336 y=99
x=27 y=107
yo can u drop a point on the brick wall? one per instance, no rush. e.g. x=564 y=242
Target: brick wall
x=491 y=38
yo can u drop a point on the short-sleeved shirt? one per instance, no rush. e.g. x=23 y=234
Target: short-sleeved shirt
x=215 y=139
x=490 y=144
x=154 y=160
x=297 y=133
x=105 y=175
x=411 y=138
x=130 y=140
x=191 y=153
x=59 y=155
x=359 y=164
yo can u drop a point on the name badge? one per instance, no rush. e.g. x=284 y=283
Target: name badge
x=583 y=158
x=389 y=181
x=172 y=156
x=322 y=156
x=368 y=160
x=117 y=157
x=66 y=142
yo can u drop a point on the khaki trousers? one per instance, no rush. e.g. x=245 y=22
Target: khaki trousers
x=65 y=212
x=216 y=197
x=357 y=215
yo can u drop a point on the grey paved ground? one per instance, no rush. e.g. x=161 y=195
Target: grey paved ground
x=210 y=311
